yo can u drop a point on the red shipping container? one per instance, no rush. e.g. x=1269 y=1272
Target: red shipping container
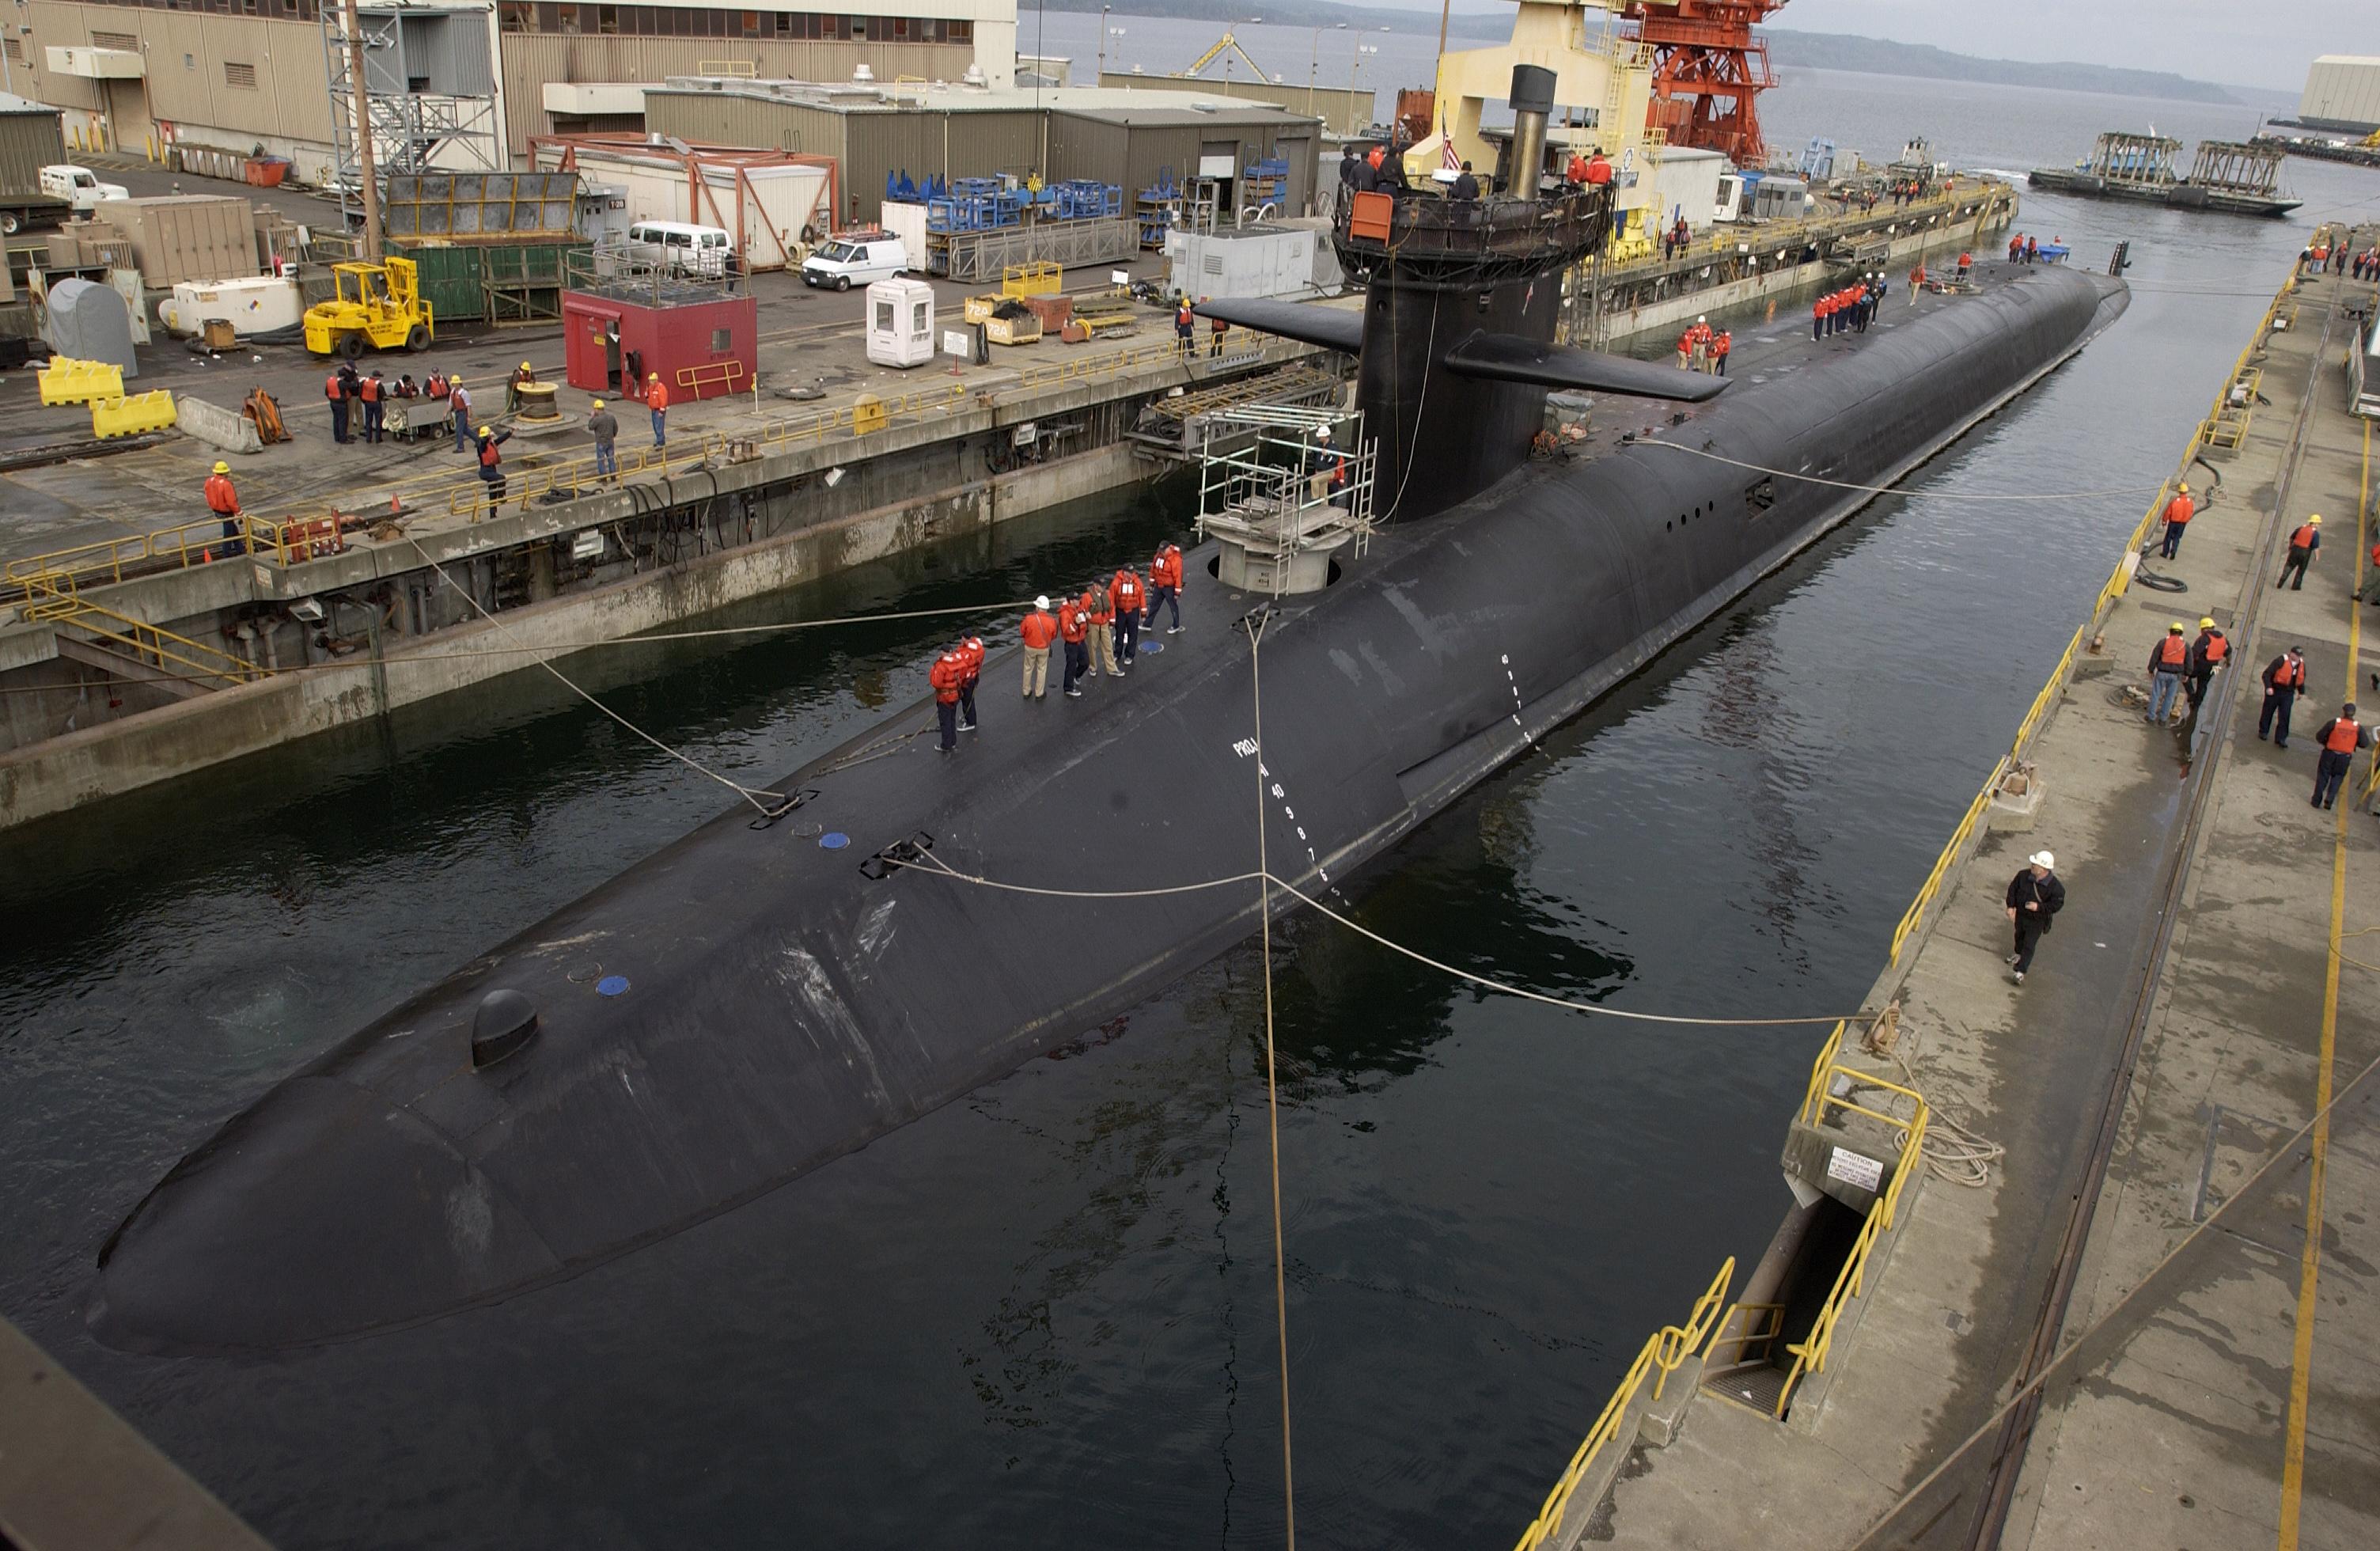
x=702 y=348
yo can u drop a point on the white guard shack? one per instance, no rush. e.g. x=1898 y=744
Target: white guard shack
x=900 y=322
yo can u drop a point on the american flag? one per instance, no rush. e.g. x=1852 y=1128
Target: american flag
x=1446 y=156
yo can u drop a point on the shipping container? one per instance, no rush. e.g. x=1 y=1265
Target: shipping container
x=490 y=282
x=29 y=140
x=177 y=237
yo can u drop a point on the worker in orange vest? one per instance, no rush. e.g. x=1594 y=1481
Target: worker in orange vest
x=1075 y=632
x=371 y=392
x=335 y=388
x=2339 y=738
x=948 y=672
x=657 y=400
x=223 y=502
x=2284 y=681
x=2304 y=545
x=1720 y=348
x=2206 y=655
x=2169 y=659
x=2177 y=513
x=1818 y=318
x=1127 y=594
x=1165 y=586
x=1037 y=631
x=1102 y=613
x=971 y=649
x=492 y=463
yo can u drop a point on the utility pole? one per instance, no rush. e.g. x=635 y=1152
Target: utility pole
x=361 y=92
x=1103 y=47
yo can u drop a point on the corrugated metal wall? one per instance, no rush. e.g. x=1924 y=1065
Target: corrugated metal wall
x=186 y=84
x=981 y=144
x=1090 y=148
x=2342 y=90
x=530 y=59
x=29 y=142
x=450 y=50
x=724 y=119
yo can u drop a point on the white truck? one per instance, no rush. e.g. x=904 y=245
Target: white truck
x=80 y=187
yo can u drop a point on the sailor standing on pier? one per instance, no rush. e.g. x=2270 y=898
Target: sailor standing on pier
x=2034 y=896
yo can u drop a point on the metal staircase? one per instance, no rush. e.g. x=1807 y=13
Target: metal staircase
x=134 y=649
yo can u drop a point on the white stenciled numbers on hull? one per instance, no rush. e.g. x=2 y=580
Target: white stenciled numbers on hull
x=1507 y=660
x=1247 y=746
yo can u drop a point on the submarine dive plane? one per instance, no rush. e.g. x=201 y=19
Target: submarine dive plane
x=769 y=1005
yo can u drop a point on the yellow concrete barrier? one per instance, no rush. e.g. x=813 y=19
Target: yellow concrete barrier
x=68 y=380
x=134 y=416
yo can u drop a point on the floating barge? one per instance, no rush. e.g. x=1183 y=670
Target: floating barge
x=2238 y=177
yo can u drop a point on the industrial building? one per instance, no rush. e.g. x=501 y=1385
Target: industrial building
x=2342 y=94
x=1133 y=140
x=231 y=74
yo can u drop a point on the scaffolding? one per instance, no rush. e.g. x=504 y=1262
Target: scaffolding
x=2146 y=160
x=1279 y=499
x=427 y=99
x=2237 y=167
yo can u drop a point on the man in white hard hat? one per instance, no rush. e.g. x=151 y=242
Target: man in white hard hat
x=2035 y=897
x=1040 y=628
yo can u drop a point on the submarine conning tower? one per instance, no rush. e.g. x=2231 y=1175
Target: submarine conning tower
x=1438 y=271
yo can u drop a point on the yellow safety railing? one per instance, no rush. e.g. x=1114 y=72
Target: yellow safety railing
x=1811 y=1351
x=2118 y=581
x=726 y=374
x=149 y=644
x=1660 y=1356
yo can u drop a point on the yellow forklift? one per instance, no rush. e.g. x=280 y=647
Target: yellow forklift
x=379 y=305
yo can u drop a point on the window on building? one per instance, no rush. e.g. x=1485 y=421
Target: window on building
x=517 y=16
x=566 y=19
x=247 y=8
x=607 y=19
x=751 y=24
x=242 y=76
x=14 y=48
x=723 y=340
x=189 y=62
x=962 y=31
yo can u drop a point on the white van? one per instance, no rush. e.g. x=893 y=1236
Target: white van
x=682 y=247
x=849 y=258
x=80 y=186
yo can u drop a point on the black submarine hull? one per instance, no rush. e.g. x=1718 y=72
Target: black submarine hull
x=781 y=1008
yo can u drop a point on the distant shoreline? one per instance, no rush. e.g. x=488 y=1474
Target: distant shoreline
x=1853 y=53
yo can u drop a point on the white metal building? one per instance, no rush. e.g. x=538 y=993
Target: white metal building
x=2342 y=93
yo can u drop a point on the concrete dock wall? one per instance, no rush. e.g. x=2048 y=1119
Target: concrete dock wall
x=62 y=772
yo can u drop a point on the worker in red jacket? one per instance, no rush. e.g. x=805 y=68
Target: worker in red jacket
x=1125 y=595
x=971 y=649
x=1073 y=636
x=1165 y=586
x=948 y=672
x=2177 y=513
x=1102 y=617
x=1720 y=348
x=1818 y=317
x=223 y=502
x=1038 y=630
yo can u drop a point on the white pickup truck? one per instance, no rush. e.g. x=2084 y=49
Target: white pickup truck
x=81 y=187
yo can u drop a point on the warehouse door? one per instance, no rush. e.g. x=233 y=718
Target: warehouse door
x=1298 y=151
x=1219 y=159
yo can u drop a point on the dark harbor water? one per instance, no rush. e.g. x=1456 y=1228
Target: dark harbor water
x=1043 y=1316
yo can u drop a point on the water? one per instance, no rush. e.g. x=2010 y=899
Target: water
x=1044 y=1316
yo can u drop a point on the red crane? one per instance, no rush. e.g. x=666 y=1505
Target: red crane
x=1708 y=71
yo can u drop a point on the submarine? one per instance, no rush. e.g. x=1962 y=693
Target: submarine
x=755 y=1001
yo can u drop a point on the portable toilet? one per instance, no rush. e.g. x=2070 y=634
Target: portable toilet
x=900 y=322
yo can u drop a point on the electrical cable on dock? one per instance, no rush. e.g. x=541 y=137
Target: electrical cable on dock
x=1892 y=489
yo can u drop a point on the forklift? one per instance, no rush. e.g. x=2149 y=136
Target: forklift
x=379 y=305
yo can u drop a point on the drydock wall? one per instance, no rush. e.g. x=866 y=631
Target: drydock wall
x=62 y=772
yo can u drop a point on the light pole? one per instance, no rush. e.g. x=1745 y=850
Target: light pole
x=1103 y=47
x=1110 y=32
x=1355 y=77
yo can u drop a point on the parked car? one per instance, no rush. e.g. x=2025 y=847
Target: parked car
x=81 y=187
x=683 y=247
x=849 y=258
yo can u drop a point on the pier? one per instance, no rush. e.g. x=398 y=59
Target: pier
x=2136 y=1324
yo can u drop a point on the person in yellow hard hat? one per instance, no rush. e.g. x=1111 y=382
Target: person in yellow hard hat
x=604 y=427
x=2168 y=661
x=223 y=502
x=2177 y=513
x=512 y=386
x=491 y=463
x=2304 y=544
x=657 y=400
x=2207 y=655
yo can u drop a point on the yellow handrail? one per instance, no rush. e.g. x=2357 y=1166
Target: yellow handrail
x=1811 y=1351
x=1661 y=1354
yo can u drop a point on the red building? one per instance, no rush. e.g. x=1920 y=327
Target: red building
x=703 y=339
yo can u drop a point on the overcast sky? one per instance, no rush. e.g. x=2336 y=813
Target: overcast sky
x=2268 y=44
